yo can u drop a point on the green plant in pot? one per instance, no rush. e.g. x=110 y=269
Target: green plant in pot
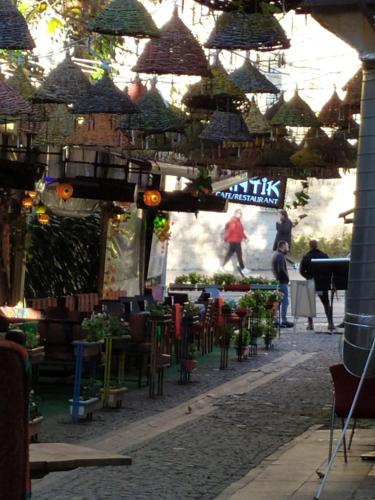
x=160 y=310
x=95 y=326
x=190 y=310
x=226 y=309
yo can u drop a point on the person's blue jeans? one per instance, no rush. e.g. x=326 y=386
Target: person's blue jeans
x=284 y=302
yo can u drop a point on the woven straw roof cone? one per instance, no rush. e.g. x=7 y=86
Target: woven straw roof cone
x=11 y=102
x=239 y=30
x=256 y=121
x=277 y=154
x=350 y=129
x=225 y=126
x=213 y=93
x=104 y=97
x=295 y=113
x=248 y=5
x=272 y=110
x=331 y=114
x=353 y=92
x=136 y=90
x=14 y=33
x=249 y=79
x=155 y=116
x=66 y=83
x=176 y=52
x=20 y=82
x=59 y=126
x=125 y=18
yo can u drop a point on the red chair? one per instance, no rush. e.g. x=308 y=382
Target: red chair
x=345 y=386
x=14 y=397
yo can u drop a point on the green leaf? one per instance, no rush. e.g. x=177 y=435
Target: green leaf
x=54 y=24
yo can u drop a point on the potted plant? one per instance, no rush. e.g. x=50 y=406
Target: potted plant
x=241 y=342
x=88 y=401
x=95 y=328
x=226 y=309
x=35 y=417
x=160 y=312
x=190 y=312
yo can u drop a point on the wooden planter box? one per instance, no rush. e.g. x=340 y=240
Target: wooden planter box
x=237 y=287
x=115 y=397
x=91 y=350
x=34 y=428
x=189 y=364
x=86 y=408
x=36 y=355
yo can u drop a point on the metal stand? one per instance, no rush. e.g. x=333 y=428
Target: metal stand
x=347 y=422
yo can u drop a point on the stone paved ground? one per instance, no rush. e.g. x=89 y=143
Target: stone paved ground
x=200 y=459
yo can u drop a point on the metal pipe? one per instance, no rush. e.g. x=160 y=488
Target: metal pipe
x=360 y=306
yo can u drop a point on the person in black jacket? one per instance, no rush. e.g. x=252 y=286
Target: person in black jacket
x=280 y=271
x=305 y=269
x=283 y=230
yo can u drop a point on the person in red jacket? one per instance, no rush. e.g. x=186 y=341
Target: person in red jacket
x=234 y=234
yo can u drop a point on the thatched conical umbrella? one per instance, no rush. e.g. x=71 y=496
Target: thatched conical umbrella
x=66 y=83
x=59 y=126
x=295 y=113
x=176 y=52
x=249 y=79
x=353 y=87
x=14 y=33
x=331 y=114
x=239 y=30
x=154 y=117
x=216 y=93
x=11 y=102
x=104 y=97
x=225 y=126
x=256 y=122
x=125 y=18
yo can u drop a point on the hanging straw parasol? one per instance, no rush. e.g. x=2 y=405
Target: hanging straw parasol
x=216 y=93
x=176 y=52
x=14 y=33
x=155 y=116
x=249 y=79
x=239 y=30
x=295 y=113
x=66 y=83
x=225 y=126
x=352 y=101
x=331 y=114
x=104 y=97
x=11 y=103
x=125 y=18
x=256 y=122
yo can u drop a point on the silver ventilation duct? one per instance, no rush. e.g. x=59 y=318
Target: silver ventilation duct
x=360 y=308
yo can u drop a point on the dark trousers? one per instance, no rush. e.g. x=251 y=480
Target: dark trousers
x=234 y=248
x=324 y=299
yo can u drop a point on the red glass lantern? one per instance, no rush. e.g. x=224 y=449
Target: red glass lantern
x=152 y=198
x=64 y=191
x=43 y=219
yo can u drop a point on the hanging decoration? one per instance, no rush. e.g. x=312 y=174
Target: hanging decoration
x=27 y=203
x=256 y=122
x=11 y=103
x=251 y=81
x=352 y=101
x=66 y=83
x=239 y=30
x=176 y=52
x=331 y=114
x=43 y=219
x=226 y=127
x=136 y=90
x=64 y=191
x=125 y=18
x=295 y=113
x=14 y=32
x=162 y=227
x=152 y=197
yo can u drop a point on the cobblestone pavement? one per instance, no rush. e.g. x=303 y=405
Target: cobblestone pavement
x=200 y=459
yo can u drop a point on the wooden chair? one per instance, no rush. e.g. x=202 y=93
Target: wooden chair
x=345 y=386
x=14 y=399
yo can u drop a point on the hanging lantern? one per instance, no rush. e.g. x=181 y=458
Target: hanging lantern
x=152 y=198
x=162 y=227
x=64 y=191
x=41 y=209
x=27 y=202
x=31 y=194
x=43 y=219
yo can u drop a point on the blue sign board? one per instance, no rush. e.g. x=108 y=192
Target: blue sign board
x=261 y=191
